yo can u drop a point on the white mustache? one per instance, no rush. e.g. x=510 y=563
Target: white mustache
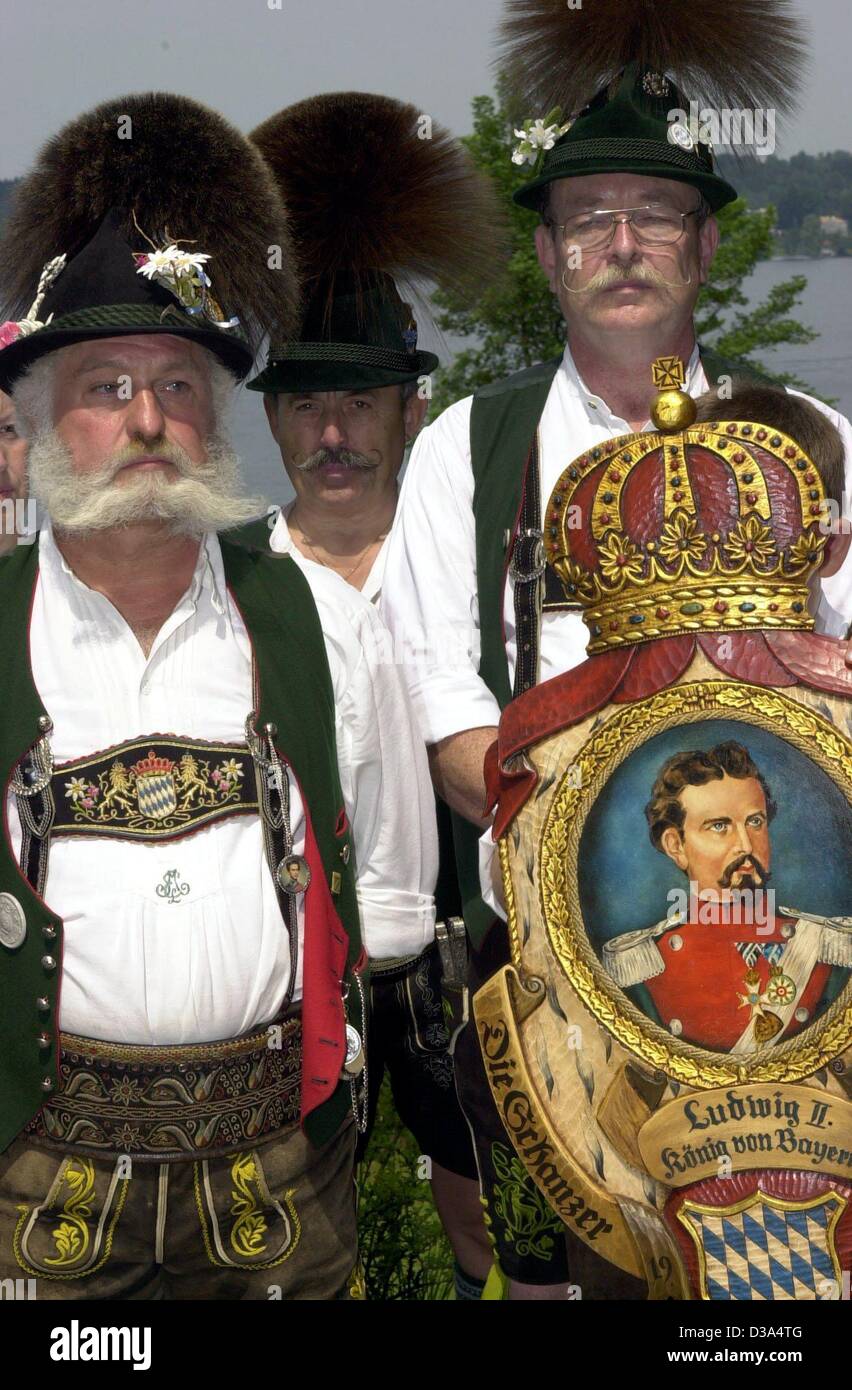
x=204 y=497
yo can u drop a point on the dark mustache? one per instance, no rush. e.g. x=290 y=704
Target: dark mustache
x=761 y=872
x=344 y=456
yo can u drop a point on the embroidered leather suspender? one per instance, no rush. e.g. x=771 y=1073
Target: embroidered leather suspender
x=527 y=568
x=33 y=788
x=273 y=789
x=537 y=589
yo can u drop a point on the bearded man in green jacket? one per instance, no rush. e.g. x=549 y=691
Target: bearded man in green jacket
x=182 y=1068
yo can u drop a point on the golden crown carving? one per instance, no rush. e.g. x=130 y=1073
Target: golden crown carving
x=709 y=528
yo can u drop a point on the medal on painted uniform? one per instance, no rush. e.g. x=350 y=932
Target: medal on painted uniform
x=766 y=1023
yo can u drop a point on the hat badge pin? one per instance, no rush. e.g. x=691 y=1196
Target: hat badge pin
x=679 y=134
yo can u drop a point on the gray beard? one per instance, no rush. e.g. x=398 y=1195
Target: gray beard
x=205 y=497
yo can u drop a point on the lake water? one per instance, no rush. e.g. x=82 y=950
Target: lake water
x=825 y=364
x=826 y=305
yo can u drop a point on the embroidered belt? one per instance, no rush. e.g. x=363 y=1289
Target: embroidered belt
x=394 y=966
x=152 y=789
x=167 y=1103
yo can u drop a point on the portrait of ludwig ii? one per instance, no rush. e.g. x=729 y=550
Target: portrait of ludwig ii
x=729 y=970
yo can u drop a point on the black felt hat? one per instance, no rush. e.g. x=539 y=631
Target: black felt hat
x=378 y=203
x=168 y=231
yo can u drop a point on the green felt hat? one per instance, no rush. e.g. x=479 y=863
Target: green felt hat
x=355 y=335
x=380 y=205
x=623 y=76
x=628 y=129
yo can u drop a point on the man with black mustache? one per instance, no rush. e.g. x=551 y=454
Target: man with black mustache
x=698 y=973
x=342 y=451
x=343 y=402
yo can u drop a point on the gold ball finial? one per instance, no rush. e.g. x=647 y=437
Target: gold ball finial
x=673 y=410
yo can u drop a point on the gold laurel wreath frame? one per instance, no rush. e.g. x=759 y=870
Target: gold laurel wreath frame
x=626 y=730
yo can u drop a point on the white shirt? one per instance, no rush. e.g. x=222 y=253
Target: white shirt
x=283 y=542
x=398 y=855
x=430 y=602
x=137 y=967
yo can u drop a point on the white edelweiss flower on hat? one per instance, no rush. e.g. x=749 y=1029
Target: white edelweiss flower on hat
x=189 y=260
x=541 y=136
x=160 y=262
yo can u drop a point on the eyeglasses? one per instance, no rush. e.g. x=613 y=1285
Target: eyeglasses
x=592 y=231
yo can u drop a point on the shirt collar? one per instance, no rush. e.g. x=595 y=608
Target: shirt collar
x=209 y=572
x=597 y=410
x=280 y=539
x=282 y=542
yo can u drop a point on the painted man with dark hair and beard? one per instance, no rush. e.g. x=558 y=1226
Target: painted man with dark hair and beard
x=728 y=972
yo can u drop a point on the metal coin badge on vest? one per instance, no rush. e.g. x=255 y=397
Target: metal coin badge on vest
x=354 y=1064
x=13 y=922
x=671 y=1046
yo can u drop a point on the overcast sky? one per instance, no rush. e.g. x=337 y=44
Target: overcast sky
x=249 y=60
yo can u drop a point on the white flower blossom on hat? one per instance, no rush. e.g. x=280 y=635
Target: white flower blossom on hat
x=536 y=136
x=182 y=272
x=169 y=262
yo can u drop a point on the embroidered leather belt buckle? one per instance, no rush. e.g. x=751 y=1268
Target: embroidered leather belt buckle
x=153 y=789
x=168 y=1103
x=528 y=558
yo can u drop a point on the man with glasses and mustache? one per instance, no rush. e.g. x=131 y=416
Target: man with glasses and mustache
x=728 y=973
x=626 y=198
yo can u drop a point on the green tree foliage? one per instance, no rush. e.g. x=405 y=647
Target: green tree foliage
x=806 y=185
x=517 y=321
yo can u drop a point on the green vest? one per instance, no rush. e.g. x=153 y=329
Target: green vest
x=296 y=694
x=503 y=421
x=253 y=533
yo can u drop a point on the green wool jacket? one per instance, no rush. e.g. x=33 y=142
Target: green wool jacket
x=503 y=422
x=296 y=694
